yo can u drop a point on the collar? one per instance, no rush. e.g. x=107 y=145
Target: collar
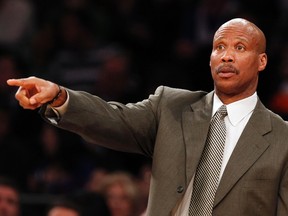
x=236 y=110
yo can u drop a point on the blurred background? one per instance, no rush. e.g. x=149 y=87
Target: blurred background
x=120 y=50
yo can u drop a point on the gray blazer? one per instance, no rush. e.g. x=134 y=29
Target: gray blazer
x=171 y=127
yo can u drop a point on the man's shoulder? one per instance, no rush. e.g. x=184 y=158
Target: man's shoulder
x=179 y=92
x=177 y=97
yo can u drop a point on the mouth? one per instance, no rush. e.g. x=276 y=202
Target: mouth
x=226 y=71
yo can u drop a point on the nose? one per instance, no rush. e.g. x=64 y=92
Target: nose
x=227 y=56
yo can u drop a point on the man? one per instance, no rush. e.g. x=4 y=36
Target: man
x=9 y=198
x=172 y=125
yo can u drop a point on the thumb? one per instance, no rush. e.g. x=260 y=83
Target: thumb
x=33 y=100
x=40 y=97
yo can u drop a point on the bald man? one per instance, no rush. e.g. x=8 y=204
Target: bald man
x=171 y=126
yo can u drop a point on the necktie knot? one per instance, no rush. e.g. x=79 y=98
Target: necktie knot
x=223 y=111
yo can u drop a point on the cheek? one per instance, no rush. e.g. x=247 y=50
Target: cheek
x=212 y=59
x=212 y=65
x=215 y=60
x=250 y=65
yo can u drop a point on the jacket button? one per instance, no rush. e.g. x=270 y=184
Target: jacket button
x=180 y=189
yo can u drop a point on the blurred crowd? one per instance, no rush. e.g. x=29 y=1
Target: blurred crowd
x=119 y=50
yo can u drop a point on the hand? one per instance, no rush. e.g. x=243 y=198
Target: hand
x=33 y=92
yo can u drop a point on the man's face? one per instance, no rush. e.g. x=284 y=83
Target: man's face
x=9 y=202
x=236 y=61
x=118 y=200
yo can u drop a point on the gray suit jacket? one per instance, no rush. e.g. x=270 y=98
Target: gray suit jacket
x=171 y=127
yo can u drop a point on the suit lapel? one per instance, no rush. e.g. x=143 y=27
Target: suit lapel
x=196 y=120
x=249 y=148
x=251 y=145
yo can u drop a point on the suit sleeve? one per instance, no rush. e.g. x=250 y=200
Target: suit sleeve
x=131 y=127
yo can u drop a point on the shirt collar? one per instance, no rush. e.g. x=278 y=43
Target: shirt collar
x=236 y=110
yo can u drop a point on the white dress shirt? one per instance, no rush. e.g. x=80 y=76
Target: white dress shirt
x=239 y=113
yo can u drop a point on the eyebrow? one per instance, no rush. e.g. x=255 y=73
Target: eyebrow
x=225 y=38
x=242 y=39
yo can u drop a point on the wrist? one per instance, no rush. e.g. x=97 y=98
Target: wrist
x=60 y=98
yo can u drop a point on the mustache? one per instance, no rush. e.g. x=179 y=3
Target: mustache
x=226 y=68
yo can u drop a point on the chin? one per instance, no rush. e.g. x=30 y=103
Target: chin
x=226 y=90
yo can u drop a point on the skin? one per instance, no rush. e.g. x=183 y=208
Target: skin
x=118 y=201
x=33 y=92
x=237 y=57
x=9 y=202
x=62 y=211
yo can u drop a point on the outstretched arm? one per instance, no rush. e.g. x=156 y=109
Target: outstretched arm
x=33 y=92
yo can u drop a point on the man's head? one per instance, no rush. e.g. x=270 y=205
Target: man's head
x=64 y=208
x=9 y=198
x=62 y=211
x=237 y=57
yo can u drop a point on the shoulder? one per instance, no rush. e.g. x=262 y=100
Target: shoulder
x=273 y=120
x=169 y=98
x=277 y=120
x=171 y=93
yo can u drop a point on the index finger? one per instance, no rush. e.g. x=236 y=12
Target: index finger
x=15 y=82
x=21 y=82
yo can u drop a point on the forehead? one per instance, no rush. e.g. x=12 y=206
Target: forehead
x=239 y=31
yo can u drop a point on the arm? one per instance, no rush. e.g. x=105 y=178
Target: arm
x=129 y=127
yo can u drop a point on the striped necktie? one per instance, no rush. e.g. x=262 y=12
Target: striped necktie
x=207 y=173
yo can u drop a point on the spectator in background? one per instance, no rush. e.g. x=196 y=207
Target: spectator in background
x=64 y=207
x=16 y=26
x=9 y=198
x=279 y=100
x=10 y=66
x=143 y=182
x=58 y=156
x=15 y=159
x=91 y=203
x=78 y=204
x=121 y=194
x=76 y=60
x=95 y=180
x=115 y=80
x=49 y=174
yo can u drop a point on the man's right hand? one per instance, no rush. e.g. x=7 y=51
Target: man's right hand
x=33 y=92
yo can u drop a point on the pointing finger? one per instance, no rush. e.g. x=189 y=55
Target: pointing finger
x=14 y=82
x=24 y=82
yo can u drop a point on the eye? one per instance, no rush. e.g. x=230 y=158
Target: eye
x=220 y=47
x=240 y=47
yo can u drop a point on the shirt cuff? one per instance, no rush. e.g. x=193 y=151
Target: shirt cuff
x=62 y=109
x=53 y=114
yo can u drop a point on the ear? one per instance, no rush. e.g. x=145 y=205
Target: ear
x=262 y=61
